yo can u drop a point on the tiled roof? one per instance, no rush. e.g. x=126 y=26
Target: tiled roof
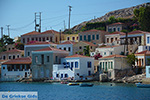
x=137 y=32
x=68 y=42
x=49 y=31
x=31 y=33
x=92 y=30
x=77 y=56
x=113 y=56
x=110 y=46
x=39 y=43
x=121 y=33
x=51 y=49
x=25 y=60
x=119 y=23
x=89 y=43
x=12 y=51
x=144 y=52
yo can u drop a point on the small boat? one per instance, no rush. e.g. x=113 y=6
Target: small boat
x=86 y=84
x=62 y=82
x=140 y=85
x=73 y=84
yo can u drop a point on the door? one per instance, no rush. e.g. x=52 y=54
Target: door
x=139 y=62
x=25 y=74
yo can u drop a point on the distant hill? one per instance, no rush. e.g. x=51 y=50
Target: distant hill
x=122 y=13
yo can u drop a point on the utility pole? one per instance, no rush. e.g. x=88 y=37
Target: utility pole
x=2 y=35
x=38 y=22
x=60 y=36
x=69 y=16
x=64 y=25
x=8 y=30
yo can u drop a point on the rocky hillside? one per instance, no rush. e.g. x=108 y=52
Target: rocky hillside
x=123 y=13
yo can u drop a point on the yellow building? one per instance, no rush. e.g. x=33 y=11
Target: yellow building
x=71 y=37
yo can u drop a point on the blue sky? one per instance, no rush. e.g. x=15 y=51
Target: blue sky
x=19 y=14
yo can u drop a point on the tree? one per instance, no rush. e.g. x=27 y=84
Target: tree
x=131 y=59
x=87 y=51
x=6 y=40
x=143 y=16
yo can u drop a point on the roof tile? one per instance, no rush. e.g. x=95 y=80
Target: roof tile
x=77 y=56
x=113 y=56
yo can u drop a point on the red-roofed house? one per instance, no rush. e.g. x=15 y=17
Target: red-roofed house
x=76 y=67
x=49 y=35
x=43 y=60
x=94 y=36
x=68 y=45
x=113 y=38
x=36 y=45
x=11 y=54
x=15 y=69
x=115 y=27
x=79 y=47
x=114 y=66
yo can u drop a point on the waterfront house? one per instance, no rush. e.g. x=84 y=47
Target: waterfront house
x=143 y=59
x=70 y=37
x=43 y=60
x=113 y=38
x=80 y=47
x=11 y=54
x=115 y=66
x=115 y=27
x=110 y=50
x=75 y=67
x=147 y=71
x=49 y=35
x=143 y=48
x=36 y=45
x=15 y=69
x=94 y=36
x=68 y=45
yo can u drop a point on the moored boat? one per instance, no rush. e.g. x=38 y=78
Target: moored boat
x=62 y=82
x=140 y=85
x=86 y=84
x=73 y=84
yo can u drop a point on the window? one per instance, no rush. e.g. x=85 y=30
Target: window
x=89 y=64
x=89 y=73
x=3 y=57
x=69 y=49
x=76 y=64
x=108 y=65
x=64 y=48
x=47 y=38
x=78 y=74
x=3 y=67
x=107 y=40
x=80 y=47
x=23 y=40
x=59 y=48
x=100 y=66
x=17 y=56
x=73 y=38
x=149 y=70
x=13 y=56
x=66 y=75
x=116 y=38
x=56 y=39
x=111 y=40
x=118 y=29
x=77 y=37
x=89 y=37
x=9 y=57
x=114 y=29
x=104 y=53
x=105 y=66
x=80 y=37
x=47 y=58
x=111 y=65
x=51 y=39
x=71 y=65
x=146 y=47
x=57 y=75
x=32 y=39
x=28 y=53
x=43 y=38
x=27 y=39
x=111 y=53
x=97 y=36
x=68 y=38
x=42 y=59
x=56 y=59
x=91 y=47
x=36 y=39
x=84 y=37
x=61 y=75
x=9 y=49
x=93 y=37
x=39 y=39
x=148 y=40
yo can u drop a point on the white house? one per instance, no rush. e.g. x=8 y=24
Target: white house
x=143 y=48
x=147 y=71
x=76 y=67
x=68 y=45
x=15 y=69
x=110 y=50
x=114 y=65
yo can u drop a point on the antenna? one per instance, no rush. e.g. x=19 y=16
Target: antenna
x=38 y=21
x=69 y=16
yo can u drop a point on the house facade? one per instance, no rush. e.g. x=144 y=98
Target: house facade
x=49 y=35
x=29 y=47
x=114 y=65
x=75 y=67
x=70 y=37
x=68 y=46
x=43 y=60
x=113 y=38
x=143 y=48
x=147 y=71
x=11 y=54
x=94 y=36
x=110 y=50
x=81 y=46
x=115 y=27
x=15 y=69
